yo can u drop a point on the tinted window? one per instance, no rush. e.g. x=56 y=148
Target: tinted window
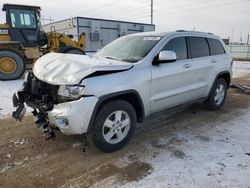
x=216 y=47
x=22 y=18
x=198 y=47
x=178 y=45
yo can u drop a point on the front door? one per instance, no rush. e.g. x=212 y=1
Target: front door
x=172 y=82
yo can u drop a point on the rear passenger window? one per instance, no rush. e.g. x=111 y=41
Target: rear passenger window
x=178 y=45
x=199 y=47
x=216 y=47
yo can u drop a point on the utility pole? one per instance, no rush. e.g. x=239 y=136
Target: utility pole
x=232 y=35
x=241 y=34
x=152 y=4
x=248 y=38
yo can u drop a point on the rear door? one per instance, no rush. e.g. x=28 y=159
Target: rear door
x=203 y=66
x=220 y=58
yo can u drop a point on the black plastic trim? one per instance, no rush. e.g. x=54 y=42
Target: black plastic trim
x=224 y=72
x=110 y=96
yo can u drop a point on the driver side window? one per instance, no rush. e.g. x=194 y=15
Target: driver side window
x=178 y=45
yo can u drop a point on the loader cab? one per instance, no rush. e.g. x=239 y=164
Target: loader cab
x=25 y=26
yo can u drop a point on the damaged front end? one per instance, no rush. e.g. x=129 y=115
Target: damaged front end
x=41 y=97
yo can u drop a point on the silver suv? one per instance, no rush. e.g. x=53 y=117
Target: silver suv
x=132 y=77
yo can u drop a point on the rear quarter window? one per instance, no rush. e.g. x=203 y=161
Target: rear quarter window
x=198 y=47
x=216 y=47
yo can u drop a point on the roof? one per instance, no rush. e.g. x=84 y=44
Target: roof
x=162 y=34
x=7 y=5
x=99 y=19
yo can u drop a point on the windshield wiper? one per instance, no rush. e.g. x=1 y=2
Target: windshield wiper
x=114 y=58
x=133 y=60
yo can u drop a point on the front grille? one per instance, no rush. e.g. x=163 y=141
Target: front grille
x=39 y=94
x=43 y=91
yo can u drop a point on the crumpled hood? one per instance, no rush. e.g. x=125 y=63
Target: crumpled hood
x=70 y=69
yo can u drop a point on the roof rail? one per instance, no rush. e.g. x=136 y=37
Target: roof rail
x=181 y=30
x=192 y=31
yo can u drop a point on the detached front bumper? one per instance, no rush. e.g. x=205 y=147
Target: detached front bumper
x=20 y=111
x=73 y=117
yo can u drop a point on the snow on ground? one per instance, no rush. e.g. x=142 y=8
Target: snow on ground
x=7 y=88
x=241 y=68
x=219 y=159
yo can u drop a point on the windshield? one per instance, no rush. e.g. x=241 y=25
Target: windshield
x=129 y=48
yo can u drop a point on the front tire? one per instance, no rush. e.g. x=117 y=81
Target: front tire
x=113 y=126
x=217 y=95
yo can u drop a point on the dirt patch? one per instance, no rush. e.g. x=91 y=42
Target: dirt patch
x=166 y=143
x=133 y=172
x=179 y=154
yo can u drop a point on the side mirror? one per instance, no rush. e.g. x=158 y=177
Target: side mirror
x=165 y=57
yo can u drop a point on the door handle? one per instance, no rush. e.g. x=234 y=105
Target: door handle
x=187 y=66
x=213 y=61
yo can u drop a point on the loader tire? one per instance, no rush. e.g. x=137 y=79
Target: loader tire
x=12 y=65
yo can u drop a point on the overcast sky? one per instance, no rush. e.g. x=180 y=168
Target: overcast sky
x=225 y=18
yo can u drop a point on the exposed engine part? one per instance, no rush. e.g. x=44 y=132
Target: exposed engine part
x=41 y=121
x=41 y=97
x=243 y=89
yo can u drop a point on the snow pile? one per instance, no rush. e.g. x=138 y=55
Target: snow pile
x=7 y=89
x=241 y=68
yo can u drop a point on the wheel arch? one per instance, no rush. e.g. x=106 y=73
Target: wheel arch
x=131 y=96
x=226 y=76
x=16 y=48
x=66 y=48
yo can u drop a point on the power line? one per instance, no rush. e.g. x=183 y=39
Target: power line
x=100 y=7
x=126 y=9
x=188 y=4
x=199 y=8
x=152 y=4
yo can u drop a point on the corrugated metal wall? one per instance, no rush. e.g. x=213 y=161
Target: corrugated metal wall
x=240 y=51
x=98 y=32
x=109 y=30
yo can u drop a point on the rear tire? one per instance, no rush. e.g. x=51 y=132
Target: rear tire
x=12 y=65
x=217 y=95
x=113 y=126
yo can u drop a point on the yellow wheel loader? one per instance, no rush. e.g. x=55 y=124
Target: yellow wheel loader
x=22 y=41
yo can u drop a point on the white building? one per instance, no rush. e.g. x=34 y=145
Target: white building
x=99 y=32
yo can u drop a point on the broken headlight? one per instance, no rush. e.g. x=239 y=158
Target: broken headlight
x=68 y=93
